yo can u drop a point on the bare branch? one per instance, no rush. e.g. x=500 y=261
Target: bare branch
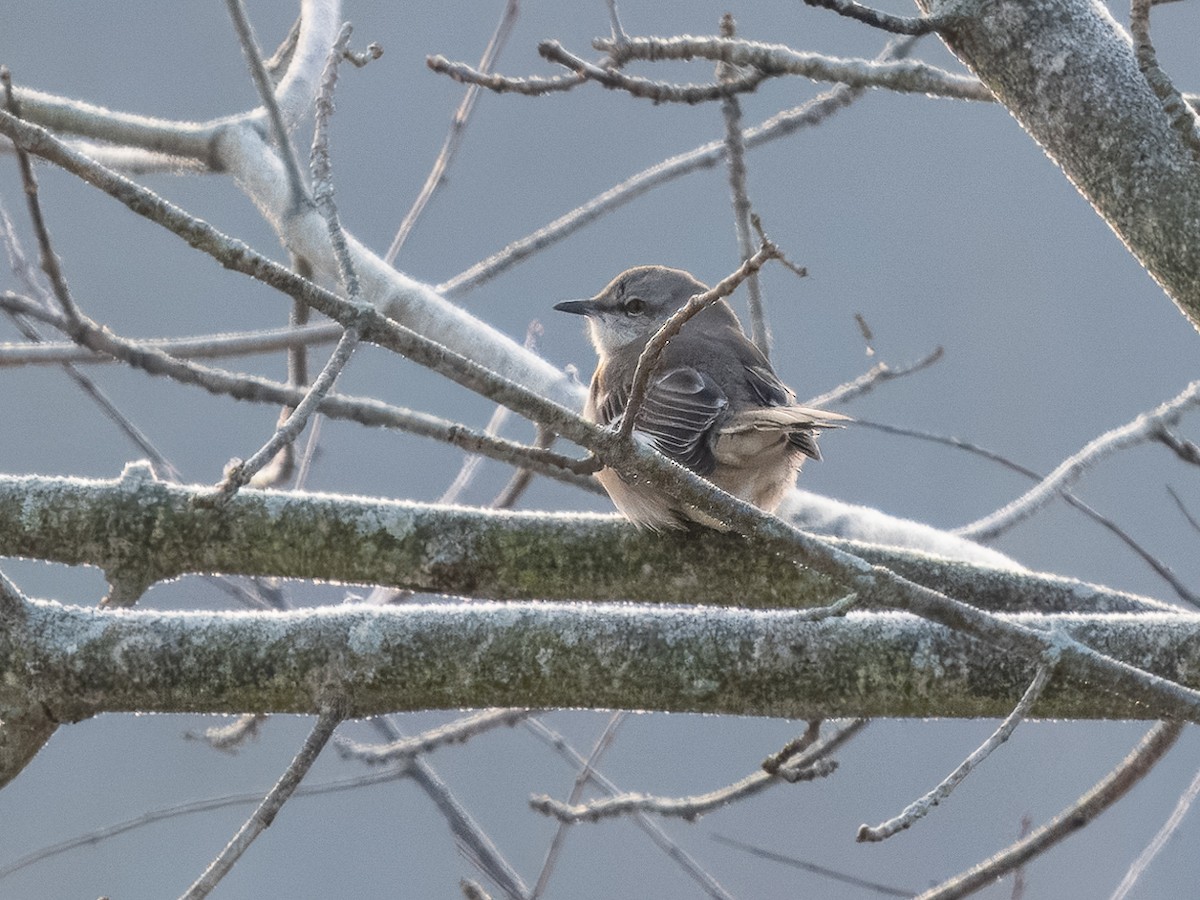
x=603 y=743
x=661 y=839
x=51 y=264
x=875 y=887
x=782 y=124
x=1111 y=788
x=735 y=155
x=1182 y=118
x=209 y=346
x=321 y=166
x=1161 y=568
x=813 y=761
x=658 y=91
x=879 y=19
x=498 y=554
x=918 y=809
x=262 y=818
x=1164 y=834
x=776 y=60
x=502 y=84
x=1144 y=428
x=458 y=125
x=99 y=835
x=880 y=373
x=457 y=732
x=239 y=473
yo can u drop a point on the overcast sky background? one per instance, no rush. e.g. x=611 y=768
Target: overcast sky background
x=940 y=222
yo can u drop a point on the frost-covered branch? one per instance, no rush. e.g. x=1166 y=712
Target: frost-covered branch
x=140 y=531
x=777 y=59
x=1146 y=427
x=1096 y=116
x=448 y=656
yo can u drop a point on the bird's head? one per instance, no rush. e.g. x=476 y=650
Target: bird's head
x=633 y=306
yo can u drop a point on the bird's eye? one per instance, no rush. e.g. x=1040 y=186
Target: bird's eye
x=634 y=306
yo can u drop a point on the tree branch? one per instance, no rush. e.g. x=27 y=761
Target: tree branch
x=1098 y=118
x=140 y=531
x=451 y=656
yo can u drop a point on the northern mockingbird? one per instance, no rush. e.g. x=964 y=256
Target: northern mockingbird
x=714 y=404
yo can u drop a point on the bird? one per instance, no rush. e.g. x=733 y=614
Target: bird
x=714 y=404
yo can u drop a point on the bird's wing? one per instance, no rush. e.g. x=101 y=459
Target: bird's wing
x=680 y=413
x=764 y=384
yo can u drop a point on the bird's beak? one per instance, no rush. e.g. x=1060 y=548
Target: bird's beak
x=577 y=307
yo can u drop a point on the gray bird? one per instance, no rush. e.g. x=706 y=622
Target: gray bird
x=714 y=404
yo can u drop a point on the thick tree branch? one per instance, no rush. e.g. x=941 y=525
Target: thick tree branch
x=141 y=531
x=1068 y=73
x=450 y=656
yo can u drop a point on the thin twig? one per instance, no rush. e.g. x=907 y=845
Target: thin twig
x=918 y=809
x=266 y=93
x=297 y=376
x=321 y=165
x=778 y=60
x=1145 y=427
x=240 y=473
x=50 y=262
x=885 y=890
x=99 y=835
x=1111 y=788
x=775 y=761
x=472 y=841
x=735 y=156
x=1162 y=569
x=603 y=743
x=502 y=84
x=658 y=91
x=651 y=828
x=878 y=374
x=457 y=732
x=652 y=353
x=229 y=737
x=910 y=25
x=262 y=818
x=1164 y=834
x=458 y=125
x=1183 y=509
x=782 y=124
x=208 y=346
x=693 y=807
